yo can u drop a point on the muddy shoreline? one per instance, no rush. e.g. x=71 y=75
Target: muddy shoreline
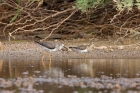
x=32 y=51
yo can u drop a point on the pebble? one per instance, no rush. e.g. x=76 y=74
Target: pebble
x=106 y=83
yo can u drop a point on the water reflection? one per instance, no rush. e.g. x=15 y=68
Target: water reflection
x=111 y=67
x=80 y=67
x=70 y=76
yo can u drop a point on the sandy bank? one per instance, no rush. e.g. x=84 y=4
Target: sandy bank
x=32 y=51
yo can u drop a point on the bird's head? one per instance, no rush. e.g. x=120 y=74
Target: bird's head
x=60 y=46
x=91 y=44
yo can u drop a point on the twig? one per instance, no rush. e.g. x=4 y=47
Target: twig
x=59 y=25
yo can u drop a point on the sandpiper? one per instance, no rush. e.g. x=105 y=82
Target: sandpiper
x=51 y=47
x=82 y=48
x=48 y=45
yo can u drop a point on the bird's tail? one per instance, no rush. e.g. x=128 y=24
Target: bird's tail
x=70 y=47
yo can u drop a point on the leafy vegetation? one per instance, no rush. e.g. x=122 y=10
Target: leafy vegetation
x=128 y=4
x=84 y=5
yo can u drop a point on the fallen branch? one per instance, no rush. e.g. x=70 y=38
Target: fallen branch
x=59 y=25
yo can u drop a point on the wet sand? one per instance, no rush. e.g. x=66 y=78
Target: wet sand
x=32 y=51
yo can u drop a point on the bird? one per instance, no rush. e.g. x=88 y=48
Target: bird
x=82 y=48
x=50 y=46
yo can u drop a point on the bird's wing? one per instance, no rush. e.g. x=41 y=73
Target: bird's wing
x=47 y=44
x=82 y=47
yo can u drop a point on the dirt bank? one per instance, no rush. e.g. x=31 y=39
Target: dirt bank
x=30 y=50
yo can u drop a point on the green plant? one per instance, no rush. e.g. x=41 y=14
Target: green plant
x=84 y=5
x=127 y=4
x=17 y=13
x=3 y=0
x=138 y=3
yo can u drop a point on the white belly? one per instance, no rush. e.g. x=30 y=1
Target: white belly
x=81 y=51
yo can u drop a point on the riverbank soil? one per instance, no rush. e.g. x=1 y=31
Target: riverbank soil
x=115 y=33
x=102 y=49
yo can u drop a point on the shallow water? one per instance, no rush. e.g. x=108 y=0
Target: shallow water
x=48 y=76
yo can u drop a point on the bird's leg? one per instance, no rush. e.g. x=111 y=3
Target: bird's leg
x=43 y=64
x=43 y=56
x=49 y=55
